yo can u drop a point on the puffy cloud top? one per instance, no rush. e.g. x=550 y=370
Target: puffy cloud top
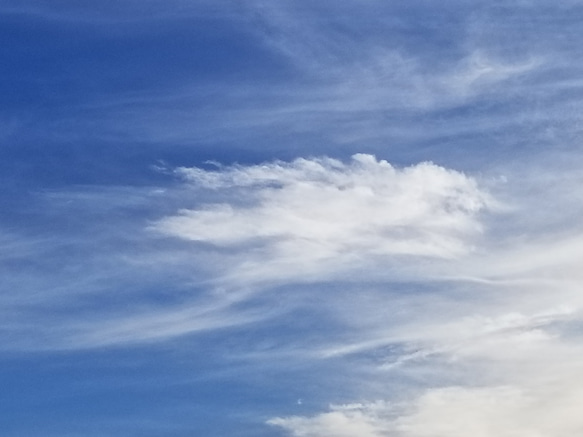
x=322 y=209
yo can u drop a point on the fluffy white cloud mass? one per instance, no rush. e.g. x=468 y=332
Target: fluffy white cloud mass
x=513 y=351
x=450 y=412
x=495 y=349
x=312 y=216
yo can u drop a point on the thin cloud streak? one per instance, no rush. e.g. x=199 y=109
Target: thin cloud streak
x=371 y=93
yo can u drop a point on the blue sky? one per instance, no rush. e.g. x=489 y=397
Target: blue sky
x=277 y=218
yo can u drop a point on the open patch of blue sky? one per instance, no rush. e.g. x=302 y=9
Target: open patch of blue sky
x=276 y=218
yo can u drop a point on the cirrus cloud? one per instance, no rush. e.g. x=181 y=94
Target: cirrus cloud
x=316 y=216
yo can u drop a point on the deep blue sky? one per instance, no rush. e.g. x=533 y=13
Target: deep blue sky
x=270 y=218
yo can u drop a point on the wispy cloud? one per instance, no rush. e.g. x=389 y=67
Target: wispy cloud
x=496 y=343
x=314 y=217
x=277 y=223
x=331 y=89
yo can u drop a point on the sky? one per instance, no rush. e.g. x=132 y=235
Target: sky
x=301 y=218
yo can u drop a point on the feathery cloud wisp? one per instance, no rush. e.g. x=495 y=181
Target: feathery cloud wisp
x=314 y=216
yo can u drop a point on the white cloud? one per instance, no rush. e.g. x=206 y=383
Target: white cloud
x=512 y=347
x=498 y=411
x=342 y=421
x=495 y=411
x=479 y=72
x=316 y=216
x=493 y=350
